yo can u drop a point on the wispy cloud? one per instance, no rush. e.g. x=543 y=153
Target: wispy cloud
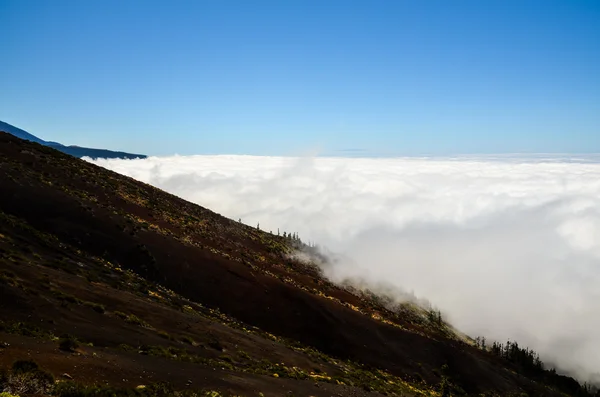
x=507 y=247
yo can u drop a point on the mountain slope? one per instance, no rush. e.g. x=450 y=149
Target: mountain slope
x=19 y=133
x=200 y=300
x=76 y=151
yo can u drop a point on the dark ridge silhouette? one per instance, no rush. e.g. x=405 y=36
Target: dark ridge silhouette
x=76 y=151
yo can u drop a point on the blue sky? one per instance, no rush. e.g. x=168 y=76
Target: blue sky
x=295 y=77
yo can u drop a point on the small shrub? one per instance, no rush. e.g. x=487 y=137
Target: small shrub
x=27 y=378
x=24 y=366
x=159 y=389
x=213 y=393
x=126 y=347
x=215 y=344
x=68 y=343
x=188 y=340
x=96 y=307
x=66 y=298
x=72 y=389
x=3 y=379
x=132 y=319
x=25 y=329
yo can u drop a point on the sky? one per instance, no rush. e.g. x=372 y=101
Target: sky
x=372 y=78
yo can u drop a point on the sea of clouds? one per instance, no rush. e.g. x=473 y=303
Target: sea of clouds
x=506 y=247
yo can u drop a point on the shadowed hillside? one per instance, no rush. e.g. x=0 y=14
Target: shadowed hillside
x=114 y=283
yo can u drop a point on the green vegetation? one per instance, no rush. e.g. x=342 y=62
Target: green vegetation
x=132 y=319
x=25 y=329
x=165 y=335
x=25 y=377
x=24 y=366
x=528 y=362
x=66 y=298
x=188 y=340
x=351 y=374
x=68 y=343
x=96 y=307
x=435 y=317
x=72 y=389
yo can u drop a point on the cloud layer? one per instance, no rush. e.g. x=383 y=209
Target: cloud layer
x=507 y=247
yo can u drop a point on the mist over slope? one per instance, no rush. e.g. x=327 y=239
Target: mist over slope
x=507 y=247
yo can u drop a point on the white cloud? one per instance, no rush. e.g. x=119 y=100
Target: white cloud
x=506 y=247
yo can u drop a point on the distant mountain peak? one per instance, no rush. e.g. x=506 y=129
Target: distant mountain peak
x=77 y=151
x=19 y=133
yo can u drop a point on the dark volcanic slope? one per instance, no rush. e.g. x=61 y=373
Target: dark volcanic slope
x=143 y=275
